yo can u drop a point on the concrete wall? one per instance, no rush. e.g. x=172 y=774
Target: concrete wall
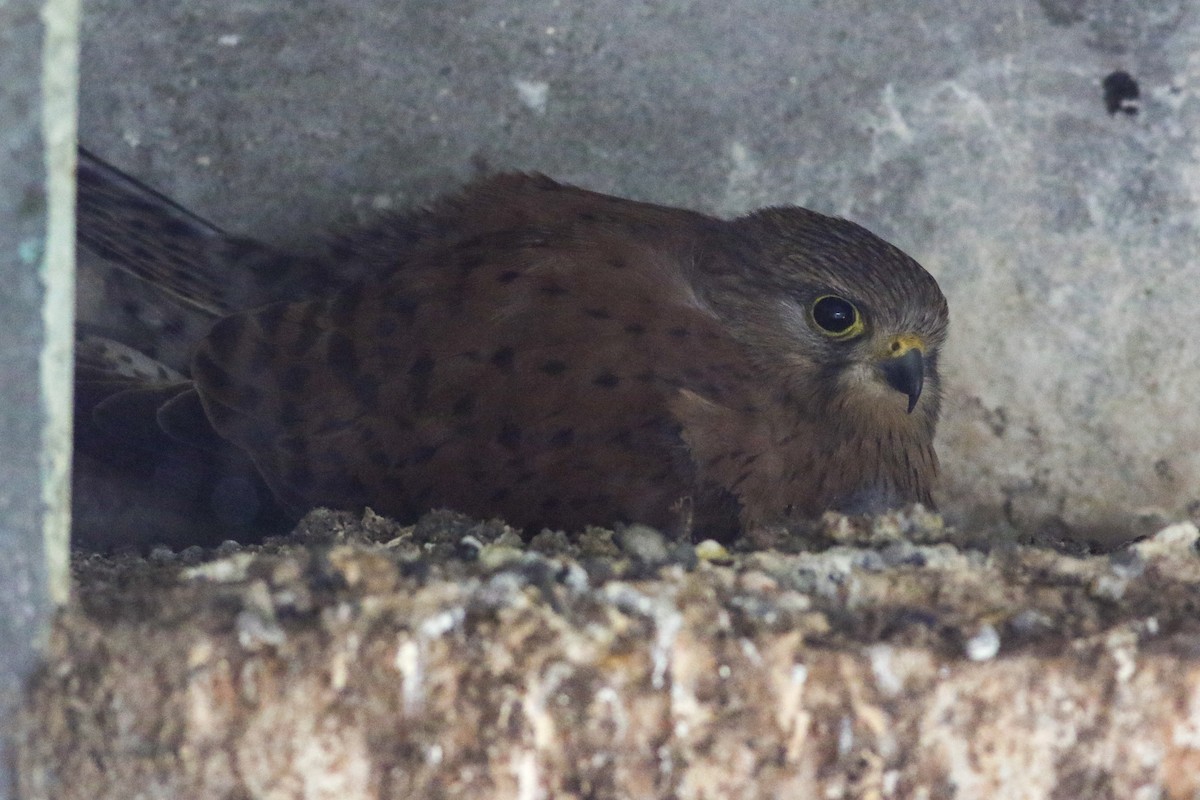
x=37 y=106
x=974 y=135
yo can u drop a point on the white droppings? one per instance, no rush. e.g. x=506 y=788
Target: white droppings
x=743 y=181
x=229 y=40
x=224 y=570
x=525 y=768
x=800 y=675
x=443 y=623
x=1173 y=540
x=984 y=645
x=534 y=95
x=668 y=623
x=751 y=652
x=1109 y=587
x=886 y=679
x=845 y=739
x=256 y=631
x=409 y=665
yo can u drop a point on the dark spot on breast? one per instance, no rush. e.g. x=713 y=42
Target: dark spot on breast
x=712 y=463
x=420 y=376
x=261 y=356
x=464 y=406
x=552 y=289
x=293 y=445
x=270 y=267
x=341 y=356
x=289 y=414
x=617 y=263
x=508 y=276
x=502 y=359
x=679 y=332
x=366 y=390
x=554 y=367
x=345 y=305
x=422 y=455
x=294 y=378
x=598 y=313
x=298 y=475
x=622 y=438
x=173 y=326
x=309 y=332
x=606 y=380
x=509 y=436
x=209 y=374
x=225 y=335
x=399 y=304
x=587 y=216
x=469 y=263
x=563 y=437
x=636 y=328
x=386 y=325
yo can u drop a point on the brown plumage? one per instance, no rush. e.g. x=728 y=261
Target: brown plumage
x=555 y=357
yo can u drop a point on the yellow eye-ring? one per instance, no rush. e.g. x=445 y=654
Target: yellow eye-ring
x=836 y=317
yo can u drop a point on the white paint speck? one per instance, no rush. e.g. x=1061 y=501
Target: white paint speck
x=229 y=40
x=743 y=180
x=533 y=94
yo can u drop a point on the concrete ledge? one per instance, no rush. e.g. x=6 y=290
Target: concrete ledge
x=364 y=660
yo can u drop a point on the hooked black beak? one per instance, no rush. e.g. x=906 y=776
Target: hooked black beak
x=906 y=374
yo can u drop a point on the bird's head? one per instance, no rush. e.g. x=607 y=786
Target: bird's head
x=850 y=324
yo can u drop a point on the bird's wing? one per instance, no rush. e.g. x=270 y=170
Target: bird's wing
x=525 y=372
x=145 y=233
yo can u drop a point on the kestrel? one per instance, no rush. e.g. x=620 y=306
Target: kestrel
x=549 y=355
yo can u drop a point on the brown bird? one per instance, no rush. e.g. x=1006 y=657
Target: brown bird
x=549 y=355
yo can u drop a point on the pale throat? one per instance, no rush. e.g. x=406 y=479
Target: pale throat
x=866 y=401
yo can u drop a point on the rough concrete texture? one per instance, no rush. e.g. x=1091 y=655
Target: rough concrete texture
x=360 y=659
x=975 y=135
x=37 y=106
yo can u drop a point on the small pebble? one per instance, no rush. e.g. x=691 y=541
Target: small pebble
x=712 y=550
x=644 y=544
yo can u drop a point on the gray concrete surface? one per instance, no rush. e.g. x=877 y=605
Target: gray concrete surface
x=37 y=104
x=974 y=135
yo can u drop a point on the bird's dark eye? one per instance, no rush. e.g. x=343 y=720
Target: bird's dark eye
x=836 y=317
